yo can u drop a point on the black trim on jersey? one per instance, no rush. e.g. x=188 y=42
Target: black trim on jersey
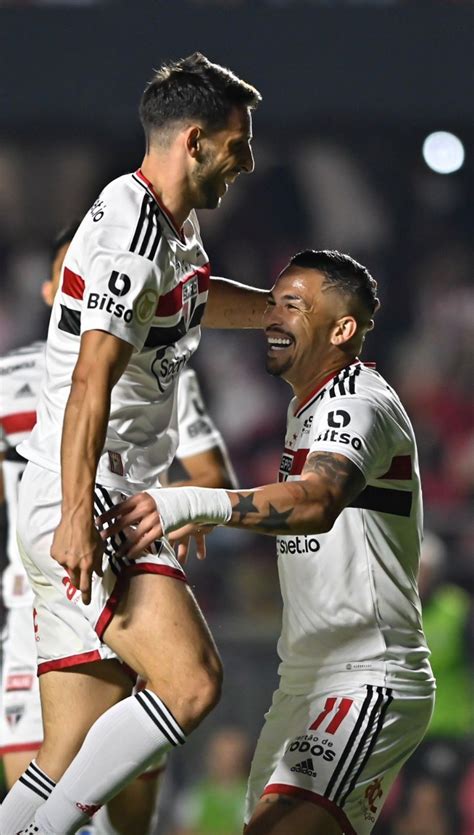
x=160 y=210
x=148 y=222
x=141 y=221
x=370 y=747
x=382 y=500
x=70 y=321
x=345 y=754
x=160 y=337
x=11 y=454
x=344 y=383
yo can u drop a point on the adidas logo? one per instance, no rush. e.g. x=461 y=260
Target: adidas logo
x=305 y=767
x=25 y=391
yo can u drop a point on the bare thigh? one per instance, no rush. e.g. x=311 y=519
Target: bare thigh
x=277 y=814
x=160 y=632
x=71 y=701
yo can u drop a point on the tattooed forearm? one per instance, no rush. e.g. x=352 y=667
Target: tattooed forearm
x=245 y=505
x=336 y=469
x=275 y=521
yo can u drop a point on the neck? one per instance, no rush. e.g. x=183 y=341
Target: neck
x=312 y=384
x=161 y=171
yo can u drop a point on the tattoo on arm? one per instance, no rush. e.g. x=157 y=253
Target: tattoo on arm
x=272 y=519
x=338 y=470
x=275 y=520
x=245 y=505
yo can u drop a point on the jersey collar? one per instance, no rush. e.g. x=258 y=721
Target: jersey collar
x=327 y=380
x=176 y=229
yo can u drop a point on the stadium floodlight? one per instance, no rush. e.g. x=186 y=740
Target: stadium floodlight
x=443 y=152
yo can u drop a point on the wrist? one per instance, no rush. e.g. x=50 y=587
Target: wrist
x=182 y=505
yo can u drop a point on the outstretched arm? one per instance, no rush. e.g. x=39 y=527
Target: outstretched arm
x=310 y=505
x=234 y=305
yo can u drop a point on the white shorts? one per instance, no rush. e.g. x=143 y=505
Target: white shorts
x=340 y=749
x=68 y=632
x=21 y=727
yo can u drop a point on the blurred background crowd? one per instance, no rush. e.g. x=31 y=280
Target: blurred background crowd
x=350 y=178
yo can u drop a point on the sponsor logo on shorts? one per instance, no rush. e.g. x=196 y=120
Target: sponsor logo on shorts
x=314 y=745
x=305 y=767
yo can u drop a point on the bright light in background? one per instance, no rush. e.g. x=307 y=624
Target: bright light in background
x=443 y=152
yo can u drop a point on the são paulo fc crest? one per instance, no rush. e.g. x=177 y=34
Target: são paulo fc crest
x=286 y=464
x=13 y=714
x=190 y=294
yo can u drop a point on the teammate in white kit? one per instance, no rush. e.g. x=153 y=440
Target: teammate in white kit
x=204 y=460
x=356 y=687
x=125 y=321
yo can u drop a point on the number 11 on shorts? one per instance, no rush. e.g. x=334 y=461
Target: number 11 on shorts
x=342 y=710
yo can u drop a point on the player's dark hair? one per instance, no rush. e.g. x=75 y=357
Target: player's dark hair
x=193 y=89
x=64 y=236
x=342 y=274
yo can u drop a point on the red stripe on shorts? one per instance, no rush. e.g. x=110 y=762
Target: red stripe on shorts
x=69 y=661
x=21 y=746
x=140 y=568
x=311 y=797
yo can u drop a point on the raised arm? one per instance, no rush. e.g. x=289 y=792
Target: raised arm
x=77 y=545
x=234 y=305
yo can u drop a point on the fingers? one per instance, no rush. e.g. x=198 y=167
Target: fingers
x=85 y=581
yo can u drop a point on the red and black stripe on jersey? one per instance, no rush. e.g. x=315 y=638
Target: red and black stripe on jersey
x=170 y=305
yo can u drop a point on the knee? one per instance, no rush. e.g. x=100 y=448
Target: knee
x=204 y=690
x=196 y=694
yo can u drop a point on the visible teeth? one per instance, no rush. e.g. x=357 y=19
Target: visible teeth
x=278 y=341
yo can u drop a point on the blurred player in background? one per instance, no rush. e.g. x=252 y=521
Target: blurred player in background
x=203 y=460
x=125 y=322
x=356 y=687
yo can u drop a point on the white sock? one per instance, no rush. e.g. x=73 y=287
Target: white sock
x=26 y=796
x=118 y=747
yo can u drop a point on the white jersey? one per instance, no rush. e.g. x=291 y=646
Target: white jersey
x=131 y=273
x=351 y=604
x=21 y=372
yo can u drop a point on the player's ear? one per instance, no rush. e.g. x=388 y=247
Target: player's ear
x=344 y=330
x=193 y=141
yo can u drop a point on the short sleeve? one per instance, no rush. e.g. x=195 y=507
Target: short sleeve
x=356 y=428
x=121 y=290
x=197 y=432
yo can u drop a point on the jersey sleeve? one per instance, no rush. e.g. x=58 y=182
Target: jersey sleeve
x=197 y=432
x=3 y=440
x=121 y=287
x=356 y=428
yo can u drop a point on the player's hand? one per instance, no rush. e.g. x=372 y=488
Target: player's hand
x=181 y=539
x=138 y=519
x=80 y=549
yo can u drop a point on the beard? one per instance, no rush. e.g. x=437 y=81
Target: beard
x=277 y=370
x=206 y=185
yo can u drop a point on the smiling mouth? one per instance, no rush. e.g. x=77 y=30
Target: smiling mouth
x=278 y=343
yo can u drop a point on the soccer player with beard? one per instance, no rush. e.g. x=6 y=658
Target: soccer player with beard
x=356 y=687
x=125 y=321
x=203 y=460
